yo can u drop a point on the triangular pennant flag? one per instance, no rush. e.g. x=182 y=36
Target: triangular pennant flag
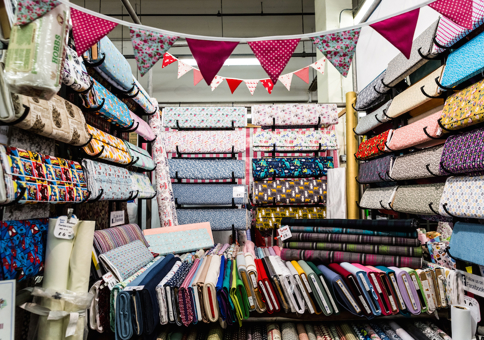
x=273 y=55
x=286 y=80
x=28 y=11
x=268 y=84
x=197 y=76
x=149 y=47
x=319 y=65
x=167 y=60
x=303 y=74
x=210 y=55
x=233 y=84
x=183 y=69
x=217 y=80
x=88 y=29
x=458 y=11
x=339 y=48
x=399 y=30
x=251 y=85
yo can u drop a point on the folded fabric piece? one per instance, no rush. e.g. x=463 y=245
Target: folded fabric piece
x=107 y=147
x=22 y=248
x=74 y=73
x=320 y=295
x=464 y=242
x=271 y=217
x=141 y=184
x=266 y=288
x=57 y=119
x=407 y=290
x=336 y=230
x=225 y=295
x=418 y=164
x=378 y=198
x=142 y=157
x=287 y=192
x=386 y=307
x=222 y=296
x=205 y=141
x=295 y=139
x=114 y=237
x=401 y=66
x=238 y=294
x=326 y=257
x=172 y=287
x=208 y=194
x=33 y=70
x=296 y=274
x=199 y=307
x=357 y=248
x=464 y=108
x=111 y=182
x=294 y=114
x=204 y=117
x=142 y=127
x=375 y=171
x=426 y=305
x=252 y=273
x=206 y=169
x=389 y=278
x=210 y=291
x=406 y=225
x=139 y=96
x=372 y=95
x=106 y=104
x=402 y=333
x=374 y=146
x=187 y=310
x=45 y=178
x=244 y=276
x=463 y=153
x=219 y=219
x=418 y=199
x=285 y=286
x=290 y=167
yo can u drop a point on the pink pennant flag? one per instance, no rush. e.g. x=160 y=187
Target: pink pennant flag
x=268 y=84
x=88 y=29
x=197 y=76
x=210 y=55
x=167 y=60
x=319 y=65
x=233 y=84
x=399 y=30
x=149 y=47
x=274 y=55
x=303 y=74
x=458 y=11
x=28 y=11
x=217 y=80
x=183 y=69
x=251 y=85
x=286 y=80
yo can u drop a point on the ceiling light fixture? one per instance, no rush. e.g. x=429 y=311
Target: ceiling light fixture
x=228 y=62
x=365 y=11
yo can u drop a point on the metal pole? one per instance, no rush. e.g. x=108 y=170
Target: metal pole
x=131 y=11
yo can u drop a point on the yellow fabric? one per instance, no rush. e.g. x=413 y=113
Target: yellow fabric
x=298 y=268
x=267 y=218
x=114 y=148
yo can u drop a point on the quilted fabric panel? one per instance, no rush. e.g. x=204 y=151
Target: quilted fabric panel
x=464 y=108
x=413 y=98
x=400 y=67
x=415 y=199
x=464 y=197
x=369 y=96
x=413 y=134
x=373 y=119
x=414 y=165
x=464 y=153
x=374 y=146
x=373 y=196
x=375 y=170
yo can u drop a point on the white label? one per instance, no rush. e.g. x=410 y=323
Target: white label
x=320 y=294
x=238 y=192
x=251 y=301
x=415 y=283
x=266 y=296
x=348 y=296
x=254 y=280
x=375 y=282
x=131 y=288
x=364 y=304
x=272 y=295
x=117 y=218
x=168 y=300
x=64 y=228
x=330 y=296
x=397 y=291
x=305 y=295
x=392 y=302
x=284 y=232
x=409 y=291
x=362 y=277
x=472 y=283
x=306 y=283
x=110 y=279
x=72 y=325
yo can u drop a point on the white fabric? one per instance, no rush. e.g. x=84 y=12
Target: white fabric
x=211 y=284
x=298 y=283
x=336 y=197
x=290 y=287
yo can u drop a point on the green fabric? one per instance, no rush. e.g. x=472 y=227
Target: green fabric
x=226 y=284
x=317 y=287
x=411 y=272
x=328 y=284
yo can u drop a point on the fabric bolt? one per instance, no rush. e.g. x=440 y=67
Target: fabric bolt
x=386 y=301
x=114 y=237
x=285 y=285
x=210 y=291
x=393 y=287
x=289 y=192
x=298 y=278
x=142 y=127
x=206 y=169
x=106 y=181
x=271 y=217
x=426 y=302
x=350 y=231
x=172 y=287
x=357 y=248
x=427 y=331
x=360 y=331
x=374 y=146
x=464 y=242
x=266 y=287
x=219 y=219
x=294 y=114
x=418 y=164
x=204 y=117
x=463 y=153
x=222 y=295
x=440 y=332
x=410 y=330
x=321 y=298
x=142 y=157
x=205 y=141
x=74 y=73
x=260 y=302
x=375 y=171
x=406 y=225
x=347 y=332
x=462 y=197
x=417 y=199
x=142 y=185
x=208 y=194
x=374 y=119
x=372 y=95
x=379 y=331
x=378 y=198
x=322 y=331
x=263 y=168
x=139 y=98
x=389 y=331
x=295 y=139
x=109 y=147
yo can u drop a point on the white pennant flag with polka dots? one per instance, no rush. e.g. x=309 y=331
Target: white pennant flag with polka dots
x=251 y=85
x=216 y=82
x=286 y=80
x=183 y=69
x=319 y=65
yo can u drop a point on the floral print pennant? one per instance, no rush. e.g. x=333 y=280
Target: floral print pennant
x=30 y=10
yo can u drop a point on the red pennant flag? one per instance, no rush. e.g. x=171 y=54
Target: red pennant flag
x=273 y=55
x=303 y=74
x=268 y=84
x=88 y=29
x=233 y=84
x=210 y=55
x=399 y=30
x=197 y=76
x=458 y=11
x=167 y=60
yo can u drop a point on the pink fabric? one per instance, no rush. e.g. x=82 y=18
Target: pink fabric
x=88 y=30
x=197 y=77
x=233 y=84
x=143 y=129
x=250 y=248
x=210 y=55
x=205 y=141
x=251 y=85
x=303 y=74
x=277 y=250
x=268 y=84
x=399 y=30
x=286 y=80
x=458 y=11
x=30 y=10
x=274 y=55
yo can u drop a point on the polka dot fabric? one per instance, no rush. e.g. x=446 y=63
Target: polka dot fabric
x=268 y=84
x=251 y=85
x=88 y=30
x=273 y=55
x=458 y=11
x=167 y=60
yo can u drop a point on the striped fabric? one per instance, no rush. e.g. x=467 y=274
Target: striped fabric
x=333 y=230
x=357 y=248
x=383 y=225
x=361 y=239
x=108 y=239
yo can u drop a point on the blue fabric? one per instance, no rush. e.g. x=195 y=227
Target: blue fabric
x=220 y=219
x=464 y=63
x=207 y=194
x=286 y=167
x=136 y=282
x=206 y=169
x=219 y=288
x=466 y=242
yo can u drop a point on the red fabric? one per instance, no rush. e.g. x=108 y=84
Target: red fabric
x=267 y=287
x=373 y=146
x=274 y=55
x=167 y=60
x=268 y=84
x=399 y=30
x=458 y=11
x=233 y=84
x=197 y=76
x=259 y=240
x=373 y=274
x=303 y=74
x=210 y=55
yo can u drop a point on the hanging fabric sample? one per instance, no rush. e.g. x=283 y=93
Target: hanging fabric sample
x=204 y=117
x=295 y=139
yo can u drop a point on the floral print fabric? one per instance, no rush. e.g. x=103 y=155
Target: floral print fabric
x=294 y=114
x=375 y=170
x=464 y=153
x=142 y=184
x=290 y=167
x=204 y=117
x=112 y=149
x=74 y=73
x=142 y=157
x=28 y=11
x=292 y=139
x=374 y=146
x=205 y=141
x=115 y=182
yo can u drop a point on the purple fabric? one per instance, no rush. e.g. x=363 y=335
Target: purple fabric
x=144 y=130
x=399 y=30
x=210 y=55
x=464 y=153
x=403 y=290
x=369 y=172
x=272 y=252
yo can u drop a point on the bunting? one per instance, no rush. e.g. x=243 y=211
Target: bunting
x=28 y=11
x=286 y=80
x=183 y=69
x=167 y=60
x=233 y=84
x=303 y=74
x=273 y=55
x=251 y=85
x=149 y=47
x=458 y=11
x=197 y=77
x=319 y=65
x=268 y=84
x=217 y=80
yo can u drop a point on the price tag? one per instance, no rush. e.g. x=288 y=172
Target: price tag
x=110 y=280
x=238 y=192
x=284 y=232
x=64 y=227
x=362 y=278
x=117 y=218
x=131 y=288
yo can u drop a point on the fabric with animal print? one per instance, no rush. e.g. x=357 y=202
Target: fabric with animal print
x=299 y=167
